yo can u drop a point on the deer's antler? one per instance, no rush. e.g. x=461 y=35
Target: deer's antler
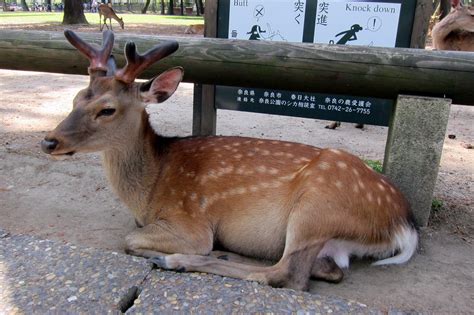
x=98 y=58
x=137 y=63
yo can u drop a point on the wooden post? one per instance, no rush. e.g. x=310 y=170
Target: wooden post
x=413 y=150
x=204 y=109
x=423 y=12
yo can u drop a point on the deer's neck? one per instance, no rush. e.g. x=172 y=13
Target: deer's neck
x=133 y=168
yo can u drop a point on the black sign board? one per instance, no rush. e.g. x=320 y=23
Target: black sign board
x=382 y=23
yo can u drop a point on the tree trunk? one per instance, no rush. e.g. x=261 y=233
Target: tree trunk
x=162 y=5
x=181 y=6
x=198 y=9
x=74 y=12
x=145 y=8
x=24 y=6
x=48 y=5
x=201 y=6
x=170 y=7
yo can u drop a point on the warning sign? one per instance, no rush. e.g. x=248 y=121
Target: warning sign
x=357 y=23
x=274 y=20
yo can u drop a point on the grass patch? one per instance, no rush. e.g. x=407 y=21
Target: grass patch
x=436 y=205
x=93 y=18
x=375 y=165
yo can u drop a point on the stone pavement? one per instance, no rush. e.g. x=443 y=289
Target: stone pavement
x=44 y=276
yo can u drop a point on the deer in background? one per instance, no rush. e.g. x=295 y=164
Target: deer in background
x=194 y=29
x=307 y=208
x=108 y=13
x=456 y=30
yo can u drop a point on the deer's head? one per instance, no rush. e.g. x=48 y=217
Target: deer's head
x=109 y=109
x=120 y=20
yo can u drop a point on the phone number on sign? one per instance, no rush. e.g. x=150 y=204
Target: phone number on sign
x=346 y=109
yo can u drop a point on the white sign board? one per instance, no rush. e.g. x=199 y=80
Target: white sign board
x=357 y=23
x=274 y=20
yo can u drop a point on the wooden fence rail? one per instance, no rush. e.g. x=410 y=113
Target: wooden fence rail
x=350 y=70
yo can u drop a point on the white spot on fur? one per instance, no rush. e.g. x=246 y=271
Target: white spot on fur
x=288 y=177
x=261 y=169
x=381 y=187
x=339 y=184
x=369 y=197
x=361 y=184
x=320 y=179
x=324 y=166
x=288 y=144
x=275 y=184
x=265 y=152
x=342 y=165
x=379 y=201
x=273 y=171
x=193 y=196
x=264 y=185
x=253 y=188
x=355 y=188
x=238 y=156
x=250 y=154
x=335 y=151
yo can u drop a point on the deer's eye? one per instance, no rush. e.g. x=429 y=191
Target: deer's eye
x=106 y=112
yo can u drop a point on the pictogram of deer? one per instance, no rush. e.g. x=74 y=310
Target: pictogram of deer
x=456 y=30
x=308 y=208
x=108 y=13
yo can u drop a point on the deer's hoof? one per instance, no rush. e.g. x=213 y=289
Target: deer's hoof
x=161 y=262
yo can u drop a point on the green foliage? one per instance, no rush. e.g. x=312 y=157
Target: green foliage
x=436 y=205
x=375 y=165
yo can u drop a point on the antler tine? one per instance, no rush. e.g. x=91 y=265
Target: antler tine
x=137 y=63
x=98 y=57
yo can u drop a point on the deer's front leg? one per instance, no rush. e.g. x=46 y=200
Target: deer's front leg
x=170 y=236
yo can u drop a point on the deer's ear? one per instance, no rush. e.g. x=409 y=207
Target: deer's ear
x=159 y=89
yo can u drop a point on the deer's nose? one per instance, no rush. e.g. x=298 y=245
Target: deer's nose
x=48 y=145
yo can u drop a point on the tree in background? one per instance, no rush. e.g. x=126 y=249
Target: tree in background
x=24 y=6
x=199 y=7
x=74 y=12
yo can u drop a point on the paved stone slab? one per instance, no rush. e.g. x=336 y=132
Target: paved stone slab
x=209 y=294
x=43 y=276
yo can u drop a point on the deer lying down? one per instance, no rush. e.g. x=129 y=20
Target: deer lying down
x=308 y=208
x=456 y=30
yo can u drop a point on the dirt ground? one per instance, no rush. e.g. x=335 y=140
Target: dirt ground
x=70 y=200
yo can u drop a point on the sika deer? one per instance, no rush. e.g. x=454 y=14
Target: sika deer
x=456 y=30
x=309 y=208
x=108 y=13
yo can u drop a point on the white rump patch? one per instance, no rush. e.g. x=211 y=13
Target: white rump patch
x=404 y=242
